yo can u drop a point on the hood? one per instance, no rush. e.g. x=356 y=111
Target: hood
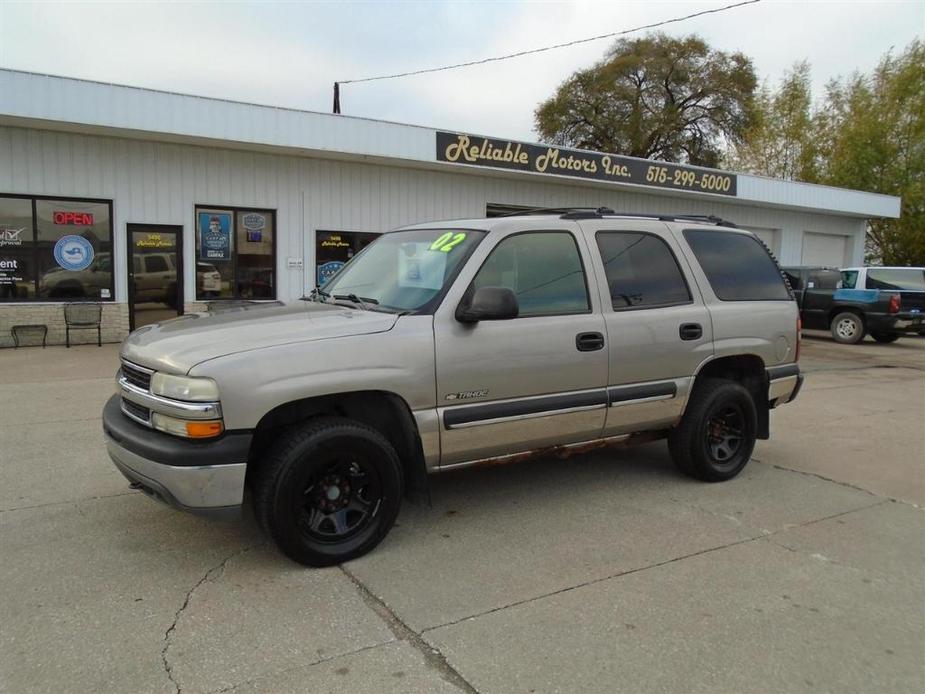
x=179 y=344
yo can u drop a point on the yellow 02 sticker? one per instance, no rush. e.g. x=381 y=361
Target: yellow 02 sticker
x=448 y=241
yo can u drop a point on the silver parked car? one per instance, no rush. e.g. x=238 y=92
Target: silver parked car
x=451 y=344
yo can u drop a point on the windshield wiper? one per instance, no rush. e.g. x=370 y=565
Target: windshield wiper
x=362 y=301
x=314 y=294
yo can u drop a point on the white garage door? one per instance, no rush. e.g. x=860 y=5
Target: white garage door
x=825 y=249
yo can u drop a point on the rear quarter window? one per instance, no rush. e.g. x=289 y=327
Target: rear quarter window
x=738 y=266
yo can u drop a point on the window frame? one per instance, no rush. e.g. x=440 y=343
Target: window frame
x=581 y=260
x=36 y=299
x=687 y=285
x=235 y=210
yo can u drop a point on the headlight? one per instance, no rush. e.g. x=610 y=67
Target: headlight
x=184 y=388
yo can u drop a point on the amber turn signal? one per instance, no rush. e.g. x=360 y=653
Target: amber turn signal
x=203 y=430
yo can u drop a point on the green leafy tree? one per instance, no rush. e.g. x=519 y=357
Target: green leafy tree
x=782 y=141
x=656 y=97
x=873 y=133
x=868 y=133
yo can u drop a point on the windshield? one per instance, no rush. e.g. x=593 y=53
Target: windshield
x=404 y=270
x=910 y=278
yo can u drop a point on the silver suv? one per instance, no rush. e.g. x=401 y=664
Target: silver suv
x=451 y=344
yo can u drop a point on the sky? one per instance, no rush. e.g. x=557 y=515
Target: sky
x=290 y=54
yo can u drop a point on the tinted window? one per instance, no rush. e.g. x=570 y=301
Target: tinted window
x=737 y=265
x=543 y=269
x=641 y=270
x=911 y=278
x=824 y=279
x=849 y=278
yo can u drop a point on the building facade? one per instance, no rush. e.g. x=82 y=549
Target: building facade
x=154 y=203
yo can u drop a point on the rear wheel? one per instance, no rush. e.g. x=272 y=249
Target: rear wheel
x=716 y=436
x=885 y=337
x=329 y=491
x=847 y=328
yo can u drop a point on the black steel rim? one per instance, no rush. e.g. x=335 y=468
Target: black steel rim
x=340 y=499
x=725 y=434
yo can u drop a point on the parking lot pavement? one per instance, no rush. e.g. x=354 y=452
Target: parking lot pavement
x=605 y=572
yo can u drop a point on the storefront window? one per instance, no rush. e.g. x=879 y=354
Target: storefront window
x=334 y=248
x=239 y=245
x=17 y=269
x=55 y=249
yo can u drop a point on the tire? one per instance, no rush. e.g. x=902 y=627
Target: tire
x=328 y=491
x=847 y=328
x=704 y=445
x=885 y=337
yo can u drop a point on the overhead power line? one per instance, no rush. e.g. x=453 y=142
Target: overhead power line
x=495 y=59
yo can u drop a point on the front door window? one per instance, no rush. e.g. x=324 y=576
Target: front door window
x=155 y=282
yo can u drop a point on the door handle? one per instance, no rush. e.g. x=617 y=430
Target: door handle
x=589 y=342
x=690 y=331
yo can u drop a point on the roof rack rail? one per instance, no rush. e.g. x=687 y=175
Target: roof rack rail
x=601 y=212
x=583 y=213
x=593 y=211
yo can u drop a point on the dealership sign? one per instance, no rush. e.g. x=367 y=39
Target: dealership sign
x=459 y=148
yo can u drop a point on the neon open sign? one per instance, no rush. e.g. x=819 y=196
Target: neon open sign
x=78 y=218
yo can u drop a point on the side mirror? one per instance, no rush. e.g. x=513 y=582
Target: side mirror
x=487 y=303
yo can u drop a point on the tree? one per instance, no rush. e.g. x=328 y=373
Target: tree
x=656 y=97
x=782 y=141
x=873 y=130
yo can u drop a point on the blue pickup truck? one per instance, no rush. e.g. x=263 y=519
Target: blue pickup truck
x=883 y=302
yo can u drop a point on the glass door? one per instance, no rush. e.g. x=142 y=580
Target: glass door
x=155 y=273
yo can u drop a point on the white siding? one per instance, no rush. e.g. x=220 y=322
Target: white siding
x=73 y=105
x=160 y=183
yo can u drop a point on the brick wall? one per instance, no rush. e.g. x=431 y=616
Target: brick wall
x=114 y=323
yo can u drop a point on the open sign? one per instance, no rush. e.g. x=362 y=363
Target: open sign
x=77 y=218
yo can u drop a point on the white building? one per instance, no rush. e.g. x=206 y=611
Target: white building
x=177 y=199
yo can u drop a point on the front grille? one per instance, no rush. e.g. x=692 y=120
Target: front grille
x=136 y=376
x=136 y=410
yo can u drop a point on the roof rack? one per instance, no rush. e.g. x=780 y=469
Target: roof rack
x=601 y=212
x=592 y=211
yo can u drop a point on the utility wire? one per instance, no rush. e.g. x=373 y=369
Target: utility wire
x=551 y=48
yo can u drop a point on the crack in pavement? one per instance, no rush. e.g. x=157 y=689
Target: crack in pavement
x=764 y=536
x=212 y=574
x=839 y=482
x=70 y=501
x=432 y=656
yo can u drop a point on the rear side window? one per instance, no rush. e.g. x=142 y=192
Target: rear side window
x=544 y=271
x=738 y=266
x=911 y=278
x=849 y=278
x=641 y=270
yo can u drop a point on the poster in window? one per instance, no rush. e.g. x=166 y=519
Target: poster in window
x=214 y=236
x=254 y=224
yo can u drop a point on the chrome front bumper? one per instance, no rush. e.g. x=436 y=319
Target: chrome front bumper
x=213 y=490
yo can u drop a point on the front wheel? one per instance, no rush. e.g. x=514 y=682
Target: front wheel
x=329 y=491
x=847 y=328
x=885 y=337
x=716 y=436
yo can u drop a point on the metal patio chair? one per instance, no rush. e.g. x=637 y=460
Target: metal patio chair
x=83 y=316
